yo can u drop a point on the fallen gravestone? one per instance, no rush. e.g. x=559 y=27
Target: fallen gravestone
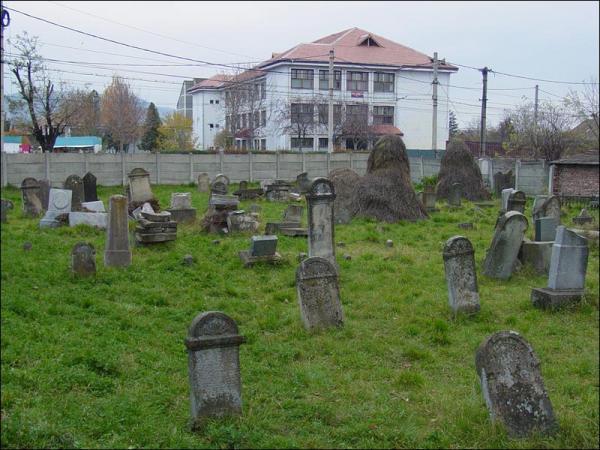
x=320 y=198
x=203 y=182
x=83 y=260
x=30 y=191
x=219 y=207
x=89 y=187
x=58 y=204
x=461 y=276
x=262 y=249
x=44 y=194
x=97 y=206
x=501 y=257
x=181 y=207
x=512 y=385
x=6 y=205
x=155 y=227
x=212 y=344
x=117 y=252
x=75 y=184
x=318 y=294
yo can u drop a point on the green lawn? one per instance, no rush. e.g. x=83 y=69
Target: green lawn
x=101 y=362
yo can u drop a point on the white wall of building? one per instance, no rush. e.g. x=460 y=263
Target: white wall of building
x=208 y=116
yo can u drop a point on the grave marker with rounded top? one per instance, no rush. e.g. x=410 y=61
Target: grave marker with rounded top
x=516 y=201
x=218 y=187
x=59 y=203
x=501 y=257
x=83 y=260
x=212 y=343
x=223 y=179
x=320 y=198
x=512 y=385
x=117 y=252
x=139 y=186
x=302 y=182
x=544 y=206
x=203 y=182
x=318 y=294
x=89 y=187
x=461 y=276
x=30 y=191
x=75 y=184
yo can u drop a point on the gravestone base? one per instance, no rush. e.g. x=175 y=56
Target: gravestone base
x=183 y=215
x=121 y=258
x=547 y=298
x=249 y=260
x=50 y=220
x=536 y=254
x=152 y=238
x=249 y=194
x=293 y=231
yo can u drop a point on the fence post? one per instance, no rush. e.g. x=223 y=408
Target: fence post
x=221 y=161
x=191 y=168
x=551 y=179
x=422 y=167
x=85 y=163
x=303 y=161
x=4 y=169
x=157 y=167
x=250 y=167
x=47 y=165
x=123 y=182
x=517 y=168
x=277 y=165
x=491 y=176
x=328 y=164
x=350 y=159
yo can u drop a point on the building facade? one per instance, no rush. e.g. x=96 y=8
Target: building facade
x=184 y=103
x=380 y=87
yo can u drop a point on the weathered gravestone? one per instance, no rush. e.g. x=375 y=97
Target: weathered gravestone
x=83 y=260
x=545 y=228
x=536 y=254
x=461 y=277
x=344 y=206
x=58 y=204
x=512 y=385
x=291 y=224
x=544 y=206
x=320 y=198
x=30 y=191
x=513 y=200
x=154 y=227
x=222 y=179
x=44 y=194
x=243 y=185
x=218 y=187
x=501 y=257
x=97 y=206
x=6 y=205
x=212 y=344
x=203 y=182
x=503 y=181
x=262 y=249
x=568 y=266
x=117 y=252
x=506 y=193
x=293 y=215
x=239 y=221
x=455 y=194
x=75 y=184
x=428 y=198
x=302 y=182
x=139 y=186
x=278 y=191
x=89 y=187
x=181 y=207
x=318 y=294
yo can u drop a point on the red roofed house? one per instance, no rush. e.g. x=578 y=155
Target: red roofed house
x=380 y=87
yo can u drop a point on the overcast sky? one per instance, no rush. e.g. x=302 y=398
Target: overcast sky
x=544 y=40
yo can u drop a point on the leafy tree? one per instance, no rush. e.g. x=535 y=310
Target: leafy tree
x=176 y=134
x=151 y=126
x=452 y=125
x=87 y=120
x=224 y=139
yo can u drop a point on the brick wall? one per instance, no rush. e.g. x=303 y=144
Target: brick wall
x=575 y=180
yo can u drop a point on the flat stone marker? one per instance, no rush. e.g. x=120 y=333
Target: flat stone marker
x=139 y=186
x=212 y=344
x=97 y=206
x=262 y=249
x=455 y=194
x=512 y=385
x=59 y=203
x=75 y=184
x=318 y=294
x=89 y=187
x=544 y=206
x=320 y=198
x=6 y=205
x=545 y=228
x=501 y=257
x=93 y=219
x=117 y=252
x=83 y=260
x=461 y=276
x=203 y=182
x=30 y=191
x=44 y=194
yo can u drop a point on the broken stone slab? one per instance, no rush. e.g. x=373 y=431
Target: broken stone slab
x=154 y=238
x=95 y=206
x=163 y=216
x=97 y=220
x=583 y=218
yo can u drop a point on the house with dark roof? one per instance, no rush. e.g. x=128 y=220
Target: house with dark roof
x=379 y=87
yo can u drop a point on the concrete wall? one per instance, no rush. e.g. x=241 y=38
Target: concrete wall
x=112 y=170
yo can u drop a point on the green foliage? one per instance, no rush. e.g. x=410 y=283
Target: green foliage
x=426 y=181
x=452 y=124
x=101 y=362
x=151 y=127
x=176 y=134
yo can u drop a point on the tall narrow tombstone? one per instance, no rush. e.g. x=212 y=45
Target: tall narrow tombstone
x=501 y=257
x=320 y=198
x=75 y=184
x=89 y=187
x=506 y=193
x=83 y=260
x=139 y=186
x=461 y=276
x=544 y=206
x=512 y=385
x=44 y=194
x=58 y=204
x=117 y=252
x=6 y=205
x=455 y=194
x=318 y=294
x=212 y=344
x=203 y=182
x=30 y=191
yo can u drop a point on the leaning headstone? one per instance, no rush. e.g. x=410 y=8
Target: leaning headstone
x=58 y=204
x=89 y=187
x=501 y=257
x=181 y=207
x=30 y=191
x=568 y=266
x=512 y=385
x=461 y=276
x=318 y=293
x=6 y=205
x=262 y=249
x=583 y=218
x=455 y=194
x=139 y=186
x=117 y=252
x=75 y=184
x=544 y=206
x=83 y=260
x=320 y=198
x=212 y=344
x=44 y=194
x=203 y=182
x=545 y=228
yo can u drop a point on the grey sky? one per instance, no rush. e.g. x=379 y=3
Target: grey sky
x=545 y=40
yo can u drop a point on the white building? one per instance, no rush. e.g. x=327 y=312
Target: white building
x=381 y=87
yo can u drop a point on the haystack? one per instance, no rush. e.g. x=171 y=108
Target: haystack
x=459 y=166
x=344 y=206
x=385 y=192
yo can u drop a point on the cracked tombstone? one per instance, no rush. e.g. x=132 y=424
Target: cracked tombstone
x=75 y=184
x=461 y=276
x=318 y=294
x=501 y=257
x=320 y=198
x=213 y=344
x=512 y=385
x=83 y=260
x=203 y=182
x=89 y=187
x=117 y=252
x=30 y=191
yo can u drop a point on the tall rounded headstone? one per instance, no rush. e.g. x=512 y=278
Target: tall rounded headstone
x=501 y=257
x=203 y=182
x=30 y=191
x=320 y=198
x=75 y=184
x=89 y=187
x=117 y=252
x=461 y=276
x=83 y=260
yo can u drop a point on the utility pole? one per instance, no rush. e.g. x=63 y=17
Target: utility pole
x=5 y=21
x=435 y=104
x=330 y=112
x=535 y=110
x=484 y=71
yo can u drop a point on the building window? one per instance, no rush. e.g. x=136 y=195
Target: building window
x=324 y=114
x=383 y=82
x=217 y=102
x=357 y=112
x=211 y=102
x=302 y=113
x=263 y=144
x=228 y=122
x=216 y=125
x=383 y=115
x=303 y=78
x=357 y=81
x=324 y=80
x=263 y=118
x=250 y=124
x=301 y=143
x=323 y=142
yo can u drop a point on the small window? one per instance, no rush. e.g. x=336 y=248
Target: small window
x=324 y=80
x=263 y=90
x=216 y=125
x=263 y=144
x=211 y=102
x=357 y=81
x=323 y=142
x=383 y=115
x=302 y=113
x=383 y=82
x=263 y=118
x=302 y=143
x=211 y=125
x=302 y=78
x=217 y=102
x=324 y=114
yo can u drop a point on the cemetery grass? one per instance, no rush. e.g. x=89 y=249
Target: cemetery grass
x=101 y=362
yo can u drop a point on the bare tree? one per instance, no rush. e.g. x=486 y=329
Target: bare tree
x=356 y=125
x=296 y=117
x=87 y=120
x=121 y=113
x=584 y=106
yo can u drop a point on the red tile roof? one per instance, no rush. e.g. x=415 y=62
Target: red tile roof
x=214 y=82
x=385 y=129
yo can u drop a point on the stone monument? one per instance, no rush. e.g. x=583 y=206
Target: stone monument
x=30 y=191
x=461 y=276
x=83 y=260
x=89 y=187
x=181 y=207
x=262 y=249
x=320 y=198
x=501 y=257
x=59 y=204
x=117 y=252
x=75 y=184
